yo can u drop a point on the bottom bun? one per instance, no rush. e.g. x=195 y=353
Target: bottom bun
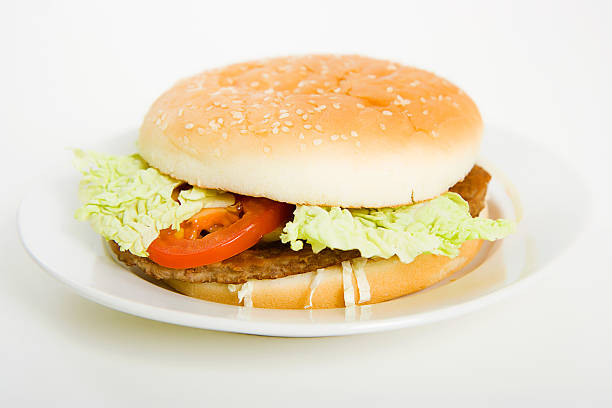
x=387 y=278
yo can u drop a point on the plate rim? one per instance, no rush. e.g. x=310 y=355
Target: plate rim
x=280 y=329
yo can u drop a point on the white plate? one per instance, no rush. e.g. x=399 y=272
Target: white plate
x=73 y=253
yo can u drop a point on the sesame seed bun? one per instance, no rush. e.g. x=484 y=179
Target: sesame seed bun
x=387 y=278
x=347 y=131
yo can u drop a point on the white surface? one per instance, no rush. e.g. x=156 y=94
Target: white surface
x=500 y=268
x=73 y=74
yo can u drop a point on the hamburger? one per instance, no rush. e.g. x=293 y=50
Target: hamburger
x=315 y=181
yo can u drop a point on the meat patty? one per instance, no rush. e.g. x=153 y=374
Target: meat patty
x=268 y=261
x=473 y=189
x=276 y=260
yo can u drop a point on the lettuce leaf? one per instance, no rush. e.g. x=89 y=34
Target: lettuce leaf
x=438 y=226
x=129 y=202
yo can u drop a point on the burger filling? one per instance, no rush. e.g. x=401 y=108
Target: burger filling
x=173 y=230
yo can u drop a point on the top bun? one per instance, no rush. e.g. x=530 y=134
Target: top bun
x=343 y=131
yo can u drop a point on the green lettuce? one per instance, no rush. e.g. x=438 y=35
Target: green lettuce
x=438 y=226
x=129 y=202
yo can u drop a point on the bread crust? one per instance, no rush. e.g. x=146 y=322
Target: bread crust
x=346 y=131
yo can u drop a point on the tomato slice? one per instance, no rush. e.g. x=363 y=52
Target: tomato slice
x=230 y=235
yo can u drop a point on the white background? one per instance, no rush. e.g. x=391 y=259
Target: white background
x=73 y=74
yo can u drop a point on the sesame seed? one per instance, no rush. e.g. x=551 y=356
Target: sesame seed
x=305 y=116
x=180 y=112
x=283 y=111
x=386 y=112
x=301 y=135
x=317 y=142
x=220 y=121
x=213 y=125
x=307 y=126
x=337 y=90
x=382 y=126
x=360 y=106
x=158 y=122
x=334 y=137
x=267 y=115
x=266 y=149
x=415 y=83
x=299 y=111
x=283 y=116
x=344 y=137
x=288 y=123
x=423 y=99
x=357 y=143
x=336 y=105
x=318 y=127
x=320 y=91
x=434 y=133
x=371 y=76
x=389 y=89
x=224 y=135
x=285 y=129
x=255 y=84
x=244 y=131
x=401 y=101
x=275 y=131
x=237 y=115
x=189 y=126
x=354 y=134
x=200 y=130
x=276 y=124
x=425 y=112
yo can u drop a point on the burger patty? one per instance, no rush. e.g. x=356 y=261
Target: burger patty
x=267 y=261
x=276 y=260
x=473 y=189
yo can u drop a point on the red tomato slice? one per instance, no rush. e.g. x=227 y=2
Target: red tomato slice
x=179 y=249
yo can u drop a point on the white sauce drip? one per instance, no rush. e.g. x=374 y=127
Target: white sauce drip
x=350 y=312
x=363 y=286
x=316 y=280
x=245 y=293
x=366 y=312
x=347 y=284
